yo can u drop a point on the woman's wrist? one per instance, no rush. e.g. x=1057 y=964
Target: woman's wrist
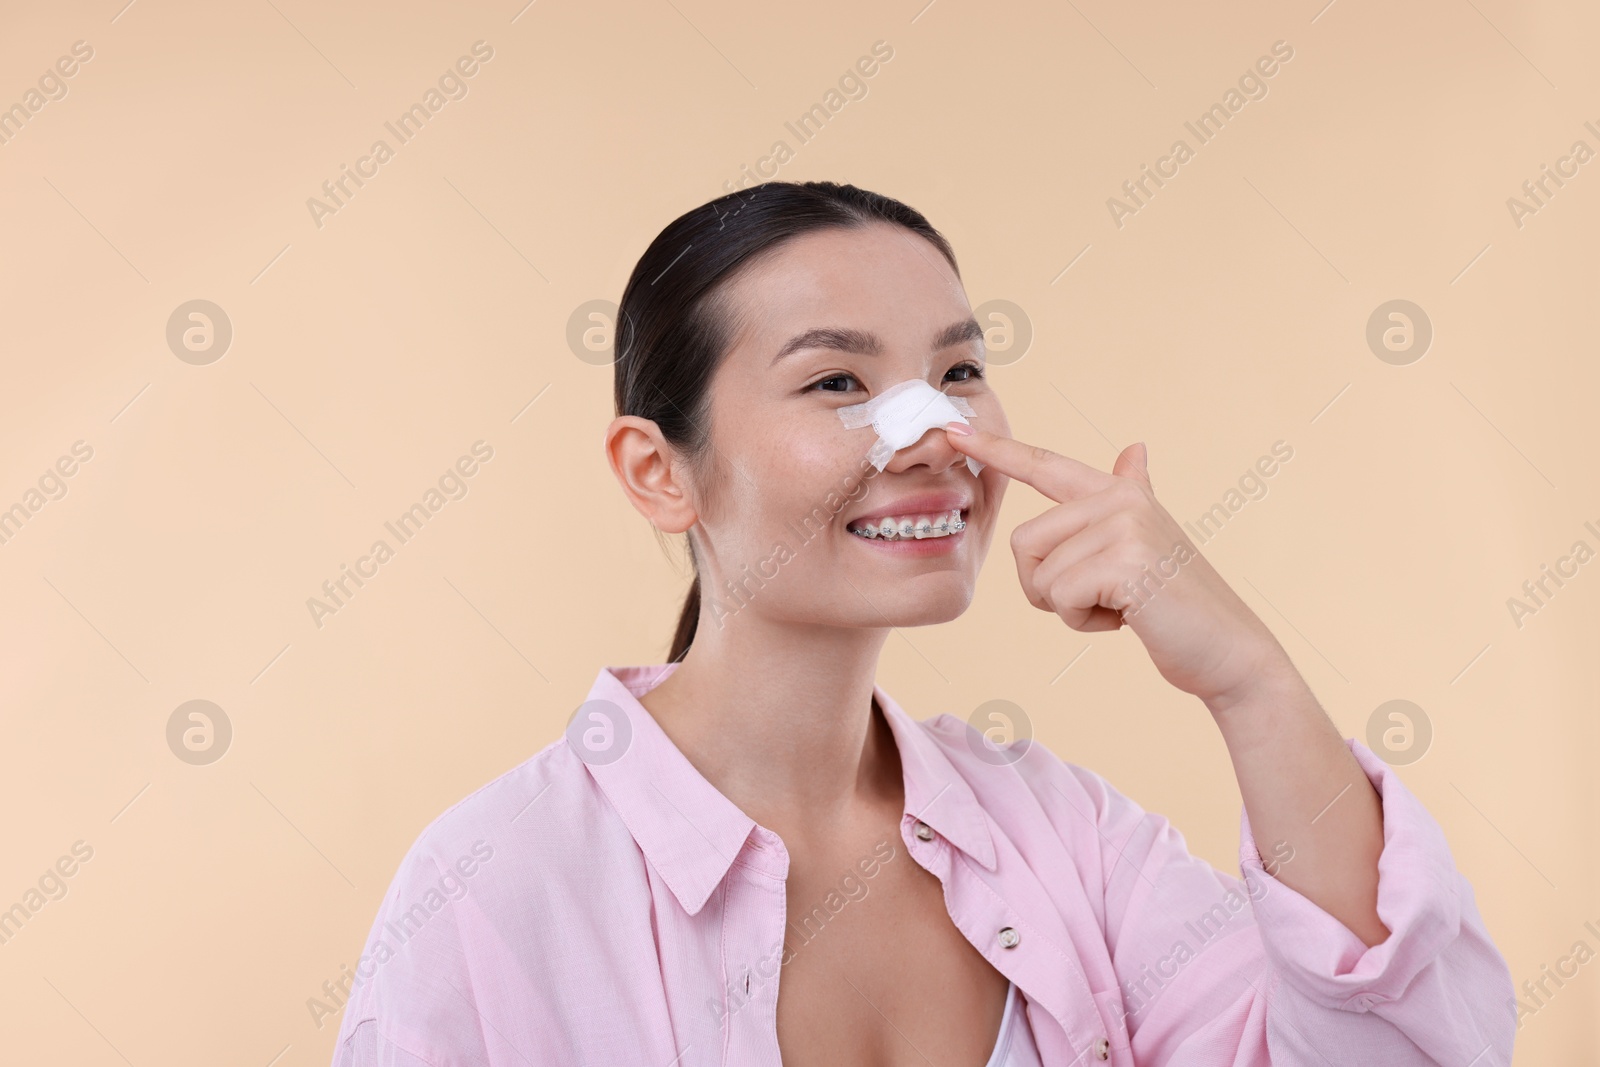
x=1271 y=678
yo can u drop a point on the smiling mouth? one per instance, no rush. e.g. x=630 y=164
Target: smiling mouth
x=919 y=527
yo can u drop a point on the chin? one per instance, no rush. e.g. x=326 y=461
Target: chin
x=916 y=605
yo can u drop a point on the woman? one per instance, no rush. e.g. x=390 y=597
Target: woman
x=756 y=815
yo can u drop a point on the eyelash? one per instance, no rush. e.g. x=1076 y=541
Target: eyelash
x=975 y=367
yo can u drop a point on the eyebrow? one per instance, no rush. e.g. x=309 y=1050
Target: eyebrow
x=867 y=343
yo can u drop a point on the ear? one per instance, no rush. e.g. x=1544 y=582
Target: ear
x=650 y=472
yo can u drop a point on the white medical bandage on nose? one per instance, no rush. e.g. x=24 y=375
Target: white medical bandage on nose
x=902 y=414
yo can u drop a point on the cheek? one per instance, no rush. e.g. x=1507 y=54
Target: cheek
x=992 y=416
x=994 y=492
x=801 y=467
x=819 y=452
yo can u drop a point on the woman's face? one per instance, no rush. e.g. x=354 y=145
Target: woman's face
x=829 y=319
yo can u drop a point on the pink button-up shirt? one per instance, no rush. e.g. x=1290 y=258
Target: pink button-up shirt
x=603 y=904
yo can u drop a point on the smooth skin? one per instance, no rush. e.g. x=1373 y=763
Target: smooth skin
x=773 y=701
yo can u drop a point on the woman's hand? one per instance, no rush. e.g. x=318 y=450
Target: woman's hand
x=1108 y=553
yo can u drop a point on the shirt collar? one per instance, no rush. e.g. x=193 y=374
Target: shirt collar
x=691 y=834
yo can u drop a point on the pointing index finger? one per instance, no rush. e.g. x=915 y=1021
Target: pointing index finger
x=1061 y=478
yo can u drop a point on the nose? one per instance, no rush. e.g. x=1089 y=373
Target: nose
x=931 y=450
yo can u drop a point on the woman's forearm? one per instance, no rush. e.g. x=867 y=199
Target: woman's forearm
x=1302 y=788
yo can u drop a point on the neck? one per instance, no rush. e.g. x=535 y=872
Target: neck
x=780 y=718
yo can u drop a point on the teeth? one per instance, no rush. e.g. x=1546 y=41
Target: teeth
x=912 y=527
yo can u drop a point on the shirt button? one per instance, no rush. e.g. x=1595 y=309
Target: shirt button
x=924 y=831
x=1102 y=1049
x=1009 y=937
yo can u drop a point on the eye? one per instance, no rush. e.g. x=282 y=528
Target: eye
x=970 y=365
x=833 y=378
x=973 y=368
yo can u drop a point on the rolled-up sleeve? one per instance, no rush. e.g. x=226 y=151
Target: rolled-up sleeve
x=1216 y=970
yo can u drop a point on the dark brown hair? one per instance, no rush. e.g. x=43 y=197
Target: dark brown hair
x=673 y=324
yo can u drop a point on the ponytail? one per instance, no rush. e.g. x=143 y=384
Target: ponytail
x=688 y=621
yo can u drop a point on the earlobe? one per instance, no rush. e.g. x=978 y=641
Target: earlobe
x=649 y=471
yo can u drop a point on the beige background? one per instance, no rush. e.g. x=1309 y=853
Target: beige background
x=431 y=311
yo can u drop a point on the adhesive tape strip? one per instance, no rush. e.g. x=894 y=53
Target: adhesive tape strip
x=902 y=414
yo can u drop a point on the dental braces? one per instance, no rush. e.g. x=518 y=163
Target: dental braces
x=916 y=533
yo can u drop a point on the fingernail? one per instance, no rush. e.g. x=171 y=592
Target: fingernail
x=959 y=428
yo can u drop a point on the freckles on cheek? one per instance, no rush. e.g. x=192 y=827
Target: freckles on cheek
x=821 y=448
x=819 y=443
x=836 y=458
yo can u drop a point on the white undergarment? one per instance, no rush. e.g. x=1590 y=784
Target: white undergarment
x=1014 y=1047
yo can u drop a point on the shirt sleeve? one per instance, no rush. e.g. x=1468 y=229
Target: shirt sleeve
x=411 y=1002
x=1218 y=970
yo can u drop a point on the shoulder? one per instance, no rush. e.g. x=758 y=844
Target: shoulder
x=552 y=773
x=1043 y=802
x=484 y=887
x=1029 y=767
x=521 y=822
